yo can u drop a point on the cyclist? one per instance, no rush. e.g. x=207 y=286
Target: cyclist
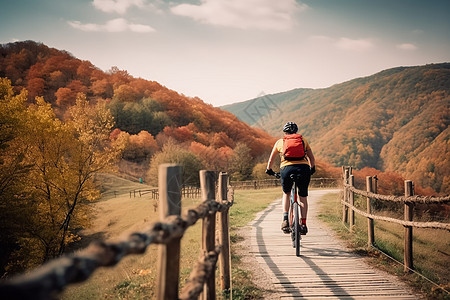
x=305 y=166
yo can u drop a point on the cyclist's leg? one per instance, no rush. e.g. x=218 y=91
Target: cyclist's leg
x=286 y=184
x=303 y=184
x=286 y=201
x=304 y=207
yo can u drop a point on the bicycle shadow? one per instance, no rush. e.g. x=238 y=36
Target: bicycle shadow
x=327 y=281
x=294 y=291
x=289 y=286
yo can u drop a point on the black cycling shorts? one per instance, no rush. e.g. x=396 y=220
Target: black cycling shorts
x=287 y=182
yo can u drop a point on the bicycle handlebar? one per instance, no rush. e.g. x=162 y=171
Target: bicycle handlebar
x=276 y=174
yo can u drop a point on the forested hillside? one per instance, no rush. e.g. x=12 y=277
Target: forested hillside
x=63 y=122
x=148 y=115
x=396 y=120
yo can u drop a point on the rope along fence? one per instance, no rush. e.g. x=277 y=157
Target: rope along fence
x=349 y=209
x=51 y=278
x=434 y=225
x=411 y=199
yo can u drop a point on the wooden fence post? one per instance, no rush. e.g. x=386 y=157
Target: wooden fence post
x=169 y=255
x=370 y=230
x=224 y=237
x=408 y=253
x=352 y=202
x=207 y=184
x=345 y=208
x=375 y=184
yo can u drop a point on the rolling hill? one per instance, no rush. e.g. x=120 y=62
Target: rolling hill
x=395 y=120
x=149 y=114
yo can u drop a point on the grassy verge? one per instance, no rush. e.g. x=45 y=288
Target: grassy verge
x=430 y=248
x=247 y=204
x=134 y=277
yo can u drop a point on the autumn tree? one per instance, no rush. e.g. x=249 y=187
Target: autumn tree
x=90 y=153
x=212 y=158
x=140 y=147
x=259 y=171
x=57 y=162
x=241 y=162
x=14 y=203
x=171 y=152
x=102 y=88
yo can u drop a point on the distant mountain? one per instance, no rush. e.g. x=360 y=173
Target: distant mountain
x=396 y=120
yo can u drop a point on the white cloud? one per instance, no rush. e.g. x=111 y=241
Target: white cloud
x=354 y=44
x=248 y=14
x=321 y=38
x=117 y=6
x=407 y=46
x=115 y=25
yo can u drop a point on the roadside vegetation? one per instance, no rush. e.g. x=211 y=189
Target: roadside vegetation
x=247 y=204
x=430 y=248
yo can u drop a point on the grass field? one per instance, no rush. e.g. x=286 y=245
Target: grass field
x=431 y=255
x=134 y=277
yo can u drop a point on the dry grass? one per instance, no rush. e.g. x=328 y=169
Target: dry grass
x=117 y=215
x=134 y=277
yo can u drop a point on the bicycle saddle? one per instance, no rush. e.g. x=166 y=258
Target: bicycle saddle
x=295 y=176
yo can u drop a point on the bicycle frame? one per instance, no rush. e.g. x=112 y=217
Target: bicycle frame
x=293 y=217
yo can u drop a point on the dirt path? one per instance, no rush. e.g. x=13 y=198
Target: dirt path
x=325 y=270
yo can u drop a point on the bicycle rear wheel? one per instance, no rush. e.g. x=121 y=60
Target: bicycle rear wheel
x=296 y=231
x=291 y=222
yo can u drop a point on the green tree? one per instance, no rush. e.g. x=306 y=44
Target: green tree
x=133 y=117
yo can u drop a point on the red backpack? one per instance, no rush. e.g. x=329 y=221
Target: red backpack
x=293 y=147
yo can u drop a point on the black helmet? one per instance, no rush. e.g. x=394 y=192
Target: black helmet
x=290 y=127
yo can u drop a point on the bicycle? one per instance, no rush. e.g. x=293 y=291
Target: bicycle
x=293 y=214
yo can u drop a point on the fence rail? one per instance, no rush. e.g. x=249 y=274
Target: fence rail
x=267 y=183
x=194 y=192
x=48 y=280
x=186 y=191
x=349 y=209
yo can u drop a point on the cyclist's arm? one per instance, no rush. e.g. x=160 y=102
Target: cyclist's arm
x=272 y=156
x=312 y=160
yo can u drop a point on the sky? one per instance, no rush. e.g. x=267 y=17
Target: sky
x=226 y=51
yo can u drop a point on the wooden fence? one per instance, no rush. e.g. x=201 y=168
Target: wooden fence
x=51 y=278
x=267 y=183
x=195 y=192
x=186 y=192
x=349 y=209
